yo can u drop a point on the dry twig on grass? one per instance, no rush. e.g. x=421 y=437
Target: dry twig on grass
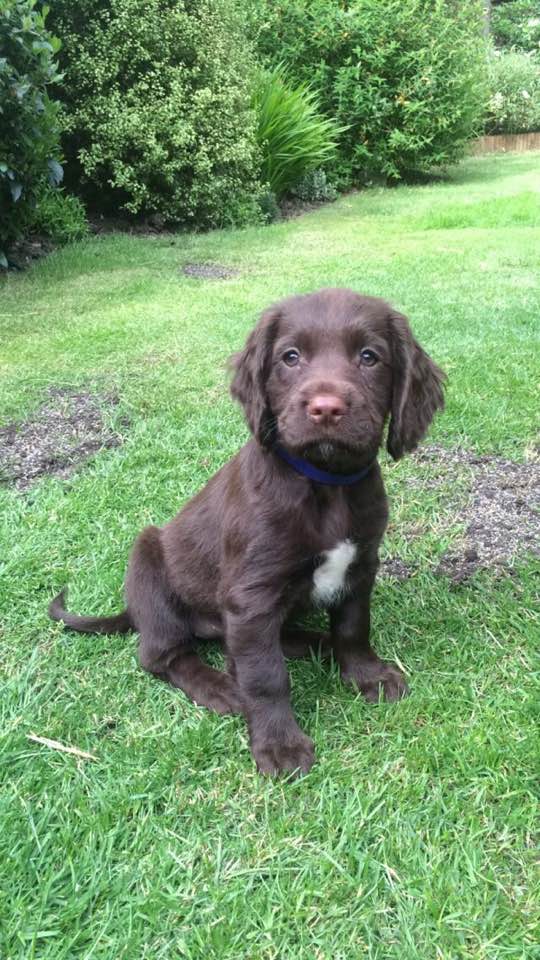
x=56 y=745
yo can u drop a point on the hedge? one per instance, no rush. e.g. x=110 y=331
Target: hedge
x=157 y=108
x=29 y=126
x=408 y=78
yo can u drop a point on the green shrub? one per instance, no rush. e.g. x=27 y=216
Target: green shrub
x=29 y=131
x=269 y=206
x=514 y=103
x=406 y=78
x=517 y=24
x=157 y=107
x=315 y=187
x=59 y=216
x=292 y=136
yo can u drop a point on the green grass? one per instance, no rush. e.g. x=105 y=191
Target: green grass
x=413 y=838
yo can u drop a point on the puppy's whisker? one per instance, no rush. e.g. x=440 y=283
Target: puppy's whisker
x=270 y=430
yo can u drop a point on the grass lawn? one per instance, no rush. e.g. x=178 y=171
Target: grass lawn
x=413 y=836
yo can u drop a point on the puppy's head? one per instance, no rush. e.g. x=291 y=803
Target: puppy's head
x=321 y=374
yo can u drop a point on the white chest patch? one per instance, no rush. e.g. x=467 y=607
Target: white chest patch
x=329 y=578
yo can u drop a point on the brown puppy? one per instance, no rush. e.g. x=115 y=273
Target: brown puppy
x=295 y=518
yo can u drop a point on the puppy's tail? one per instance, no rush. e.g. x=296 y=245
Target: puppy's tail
x=121 y=623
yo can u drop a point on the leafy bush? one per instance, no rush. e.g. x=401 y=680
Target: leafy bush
x=60 y=216
x=406 y=78
x=315 y=187
x=292 y=136
x=29 y=130
x=514 y=103
x=517 y=24
x=269 y=206
x=157 y=107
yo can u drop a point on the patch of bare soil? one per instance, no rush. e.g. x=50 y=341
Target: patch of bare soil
x=26 y=252
x=67 y=429
x=292 y=207
x=153 y=226
x=501 y=515
x=209 y=271
x=395 y=568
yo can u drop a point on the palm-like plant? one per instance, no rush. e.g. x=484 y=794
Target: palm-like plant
x=293 y=136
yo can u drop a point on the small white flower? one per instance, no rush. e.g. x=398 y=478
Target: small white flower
x=525 y=94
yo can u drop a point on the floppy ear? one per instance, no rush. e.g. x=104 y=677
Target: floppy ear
x=417 y=391
x=251 y=370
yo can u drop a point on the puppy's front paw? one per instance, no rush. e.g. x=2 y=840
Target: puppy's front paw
x=290 y=752
x=374 y=677
x=222 y=695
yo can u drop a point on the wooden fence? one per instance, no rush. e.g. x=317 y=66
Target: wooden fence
x=506 y=142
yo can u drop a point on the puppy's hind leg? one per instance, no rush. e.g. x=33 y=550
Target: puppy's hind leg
x=167 y=647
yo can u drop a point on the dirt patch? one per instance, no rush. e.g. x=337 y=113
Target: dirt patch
x=26 y=252
x=396 y=569
x=501 y=515
x=209 y=271
x=67 y=429
x=292 y=207
x=153 y=226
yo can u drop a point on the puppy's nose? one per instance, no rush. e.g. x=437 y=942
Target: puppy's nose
x=326 y=409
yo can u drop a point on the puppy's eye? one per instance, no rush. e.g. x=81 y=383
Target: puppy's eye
x=368 y=358
x=291 y=357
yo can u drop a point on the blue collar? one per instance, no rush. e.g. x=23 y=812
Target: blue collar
x=312 y=472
